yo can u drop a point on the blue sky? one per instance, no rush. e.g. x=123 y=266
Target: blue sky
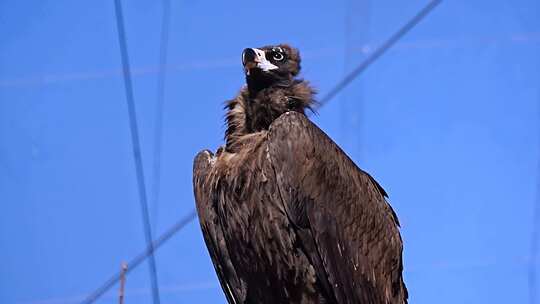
x=446 y=121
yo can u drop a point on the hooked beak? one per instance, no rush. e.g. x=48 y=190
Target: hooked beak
x=255 y=58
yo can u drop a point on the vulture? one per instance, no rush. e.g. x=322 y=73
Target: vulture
x=286 y=215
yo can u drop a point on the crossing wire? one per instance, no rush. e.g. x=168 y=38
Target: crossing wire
x=379 y=51
x=139 y=258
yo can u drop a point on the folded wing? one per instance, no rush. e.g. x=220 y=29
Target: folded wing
x=203 y=186
x=346 y=227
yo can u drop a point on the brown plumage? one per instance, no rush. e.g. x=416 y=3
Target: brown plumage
x=287 y=217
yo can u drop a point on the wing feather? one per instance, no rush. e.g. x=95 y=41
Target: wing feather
x=342 y=210
x=203 y=184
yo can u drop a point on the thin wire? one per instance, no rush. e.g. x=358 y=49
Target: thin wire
x=136 y=149
x=532 y=271
x=54 y=78
x=158 y=130
x=138 y=259
x=378 y=52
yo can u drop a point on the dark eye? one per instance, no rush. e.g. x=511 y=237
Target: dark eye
x=277 y=55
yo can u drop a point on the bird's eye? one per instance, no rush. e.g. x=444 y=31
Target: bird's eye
x=277 y=56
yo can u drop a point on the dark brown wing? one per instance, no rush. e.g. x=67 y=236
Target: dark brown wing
x=213 y=235
x=342 y=210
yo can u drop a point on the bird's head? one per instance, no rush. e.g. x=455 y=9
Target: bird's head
x=270 y=65
x=272 y=90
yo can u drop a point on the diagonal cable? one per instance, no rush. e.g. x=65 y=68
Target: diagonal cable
x=158 y=129
x=379 y=51
x=136 y=149
x=138 y=259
